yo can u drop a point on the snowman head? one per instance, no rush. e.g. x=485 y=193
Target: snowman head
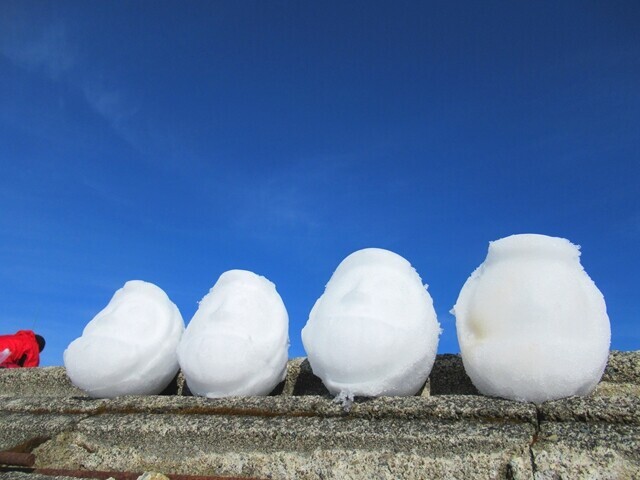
x=373 y=331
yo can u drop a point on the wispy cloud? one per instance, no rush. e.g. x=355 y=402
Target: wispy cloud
x=274 y=205
x=113 y=106
x=49 y=50
x=46 y=50
x=289 y=199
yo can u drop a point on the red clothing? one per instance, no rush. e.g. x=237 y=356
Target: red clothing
x=22 y=345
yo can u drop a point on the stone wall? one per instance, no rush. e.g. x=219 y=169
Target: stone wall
x=447 y=431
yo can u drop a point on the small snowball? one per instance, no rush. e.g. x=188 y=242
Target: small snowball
x=129 y=348
x=374 y=331
x=237 y=342
x=532 y=325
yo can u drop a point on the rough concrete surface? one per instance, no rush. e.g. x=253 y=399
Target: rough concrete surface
x=579 y=450
x=448 y=377
x=452 y=407
x=16 y=475
x=449 y=431
x=22 y=432
x=623 y=367
x=198 y=444
x=49 y=381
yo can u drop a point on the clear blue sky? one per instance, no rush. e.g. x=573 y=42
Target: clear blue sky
x=170 y=142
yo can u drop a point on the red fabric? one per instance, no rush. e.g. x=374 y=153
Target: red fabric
x=23 y=342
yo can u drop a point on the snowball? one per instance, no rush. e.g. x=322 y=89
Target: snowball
x=237 y=342
x=374 y=330
x=129 y=348
x=532 y=325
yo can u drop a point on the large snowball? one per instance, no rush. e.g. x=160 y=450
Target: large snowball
x=532 y=325
x=236 y=343
x=374 y=330
x=129 y=348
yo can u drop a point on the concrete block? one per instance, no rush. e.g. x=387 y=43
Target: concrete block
x=579 y=450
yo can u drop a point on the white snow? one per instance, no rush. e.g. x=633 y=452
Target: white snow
x=129 y=348
x=345 y=400
x=237 y=342
x=532 y=325
x=374 y=330
x=4 y=354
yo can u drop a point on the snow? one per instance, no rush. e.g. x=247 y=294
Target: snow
x=129 y=348
x=532 y=325
x=345 y=400
x=374 y=330
x=4 y=354
x=237 y=342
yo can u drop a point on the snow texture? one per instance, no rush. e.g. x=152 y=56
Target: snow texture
x=532 y=325
x=345 y=400
x=4 y=354
x=129 y=348
x=237 y=342
x=374 y=331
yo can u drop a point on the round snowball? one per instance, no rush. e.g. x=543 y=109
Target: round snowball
x=237 y=342
x=532 y=325
x=374 y=330
x=129 y=348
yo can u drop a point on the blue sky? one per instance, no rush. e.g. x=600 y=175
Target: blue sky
x=171 y=141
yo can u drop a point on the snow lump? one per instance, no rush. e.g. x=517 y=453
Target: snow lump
x=237 y=342
x=4 y=354
x=374 y=331
x=531 y=324
x=129 y=348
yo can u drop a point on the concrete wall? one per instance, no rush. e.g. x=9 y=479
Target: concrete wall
x=449 y=431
